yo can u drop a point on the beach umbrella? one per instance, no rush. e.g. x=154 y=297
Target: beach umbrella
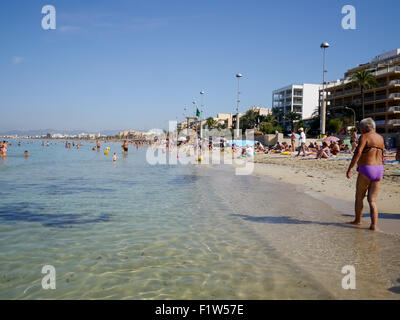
x=331 y=138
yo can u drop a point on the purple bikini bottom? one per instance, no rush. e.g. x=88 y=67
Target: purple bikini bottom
x=372 y=173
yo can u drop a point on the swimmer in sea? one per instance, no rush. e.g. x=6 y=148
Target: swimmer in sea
x=114 y=158
x=98 y=145
x=26 y=154
x=125 y=146
x=3 y=149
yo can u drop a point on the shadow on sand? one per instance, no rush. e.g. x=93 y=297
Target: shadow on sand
x=289 y=220
x=380 y=216
x=395 y=289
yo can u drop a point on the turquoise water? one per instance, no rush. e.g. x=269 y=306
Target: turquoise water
x=129 y=230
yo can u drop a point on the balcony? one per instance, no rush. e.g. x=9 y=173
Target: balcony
x=394 y=96
x=368 y=99
x=394 y=122
x=394 y=82
x=378 y=110
x=388 y=70
x=380 y=122
x=380 y=97
x=394 y=109
x=348 y=79
x=346 y=92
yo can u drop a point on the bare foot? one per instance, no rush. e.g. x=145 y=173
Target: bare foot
x=372 y=227
x=355 y=223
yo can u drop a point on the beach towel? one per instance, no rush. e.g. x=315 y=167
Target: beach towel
x=392 y=162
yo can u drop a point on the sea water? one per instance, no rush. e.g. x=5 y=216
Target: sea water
x=131 y=230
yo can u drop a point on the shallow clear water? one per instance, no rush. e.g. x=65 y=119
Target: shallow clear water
x=130 y=230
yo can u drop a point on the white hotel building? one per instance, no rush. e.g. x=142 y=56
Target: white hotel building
x=303 y=99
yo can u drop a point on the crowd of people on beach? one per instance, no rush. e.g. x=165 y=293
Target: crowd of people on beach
x=322 y=151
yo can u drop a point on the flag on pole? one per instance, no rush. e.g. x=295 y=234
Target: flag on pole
x=197 y=113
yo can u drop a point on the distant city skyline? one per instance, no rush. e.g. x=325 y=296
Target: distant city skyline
x=118 y=65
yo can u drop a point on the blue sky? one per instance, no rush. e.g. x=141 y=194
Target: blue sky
x=135 y=64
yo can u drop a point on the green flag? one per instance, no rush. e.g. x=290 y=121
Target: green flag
x=197 y=113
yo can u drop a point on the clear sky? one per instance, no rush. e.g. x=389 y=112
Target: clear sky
x=135 y=64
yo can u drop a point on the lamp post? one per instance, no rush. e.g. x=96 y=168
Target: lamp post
x=194 y=105
x=238 y=76
x=324 y=46
x=187 y=120
x=201 y=111
x=195 y=113
x=347 y=108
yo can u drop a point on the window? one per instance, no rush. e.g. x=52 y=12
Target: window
x=298 y=100
x=298 y=92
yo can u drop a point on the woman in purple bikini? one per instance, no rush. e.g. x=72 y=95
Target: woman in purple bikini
x=369 y=158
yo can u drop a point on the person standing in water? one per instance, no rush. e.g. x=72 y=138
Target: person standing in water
x=3 y=149
x=114 y=158
x=125 y=146
x=369 y=158
x=98 y=145
x=353 y=140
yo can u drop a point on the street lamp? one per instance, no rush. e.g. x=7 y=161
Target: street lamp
x=238 y=76
x=201 y=111
x=324 y=46
x=347 y=108
x=187 y=120
x=195 y=111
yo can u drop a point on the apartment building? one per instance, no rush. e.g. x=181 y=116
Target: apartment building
x=262 y=111
x=382 y=102
x=302 y=99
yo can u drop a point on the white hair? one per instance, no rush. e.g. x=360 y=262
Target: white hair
x=368 y=124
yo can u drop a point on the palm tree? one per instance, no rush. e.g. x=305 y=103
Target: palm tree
x=278 y=113
x=211 y=123
x=292 y=117
x=363 y=79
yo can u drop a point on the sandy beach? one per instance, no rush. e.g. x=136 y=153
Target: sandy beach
x=326 y=180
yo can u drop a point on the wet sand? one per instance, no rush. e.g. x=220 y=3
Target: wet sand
x=310 y=237
x=326 y=180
